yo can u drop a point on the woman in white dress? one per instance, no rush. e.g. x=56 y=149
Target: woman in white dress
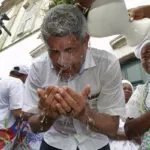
x=138 y=108
x=120 y=141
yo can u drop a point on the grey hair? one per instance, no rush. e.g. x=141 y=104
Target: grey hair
x=63 y=20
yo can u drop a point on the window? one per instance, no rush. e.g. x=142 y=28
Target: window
x=133 y=71
x=28 y=19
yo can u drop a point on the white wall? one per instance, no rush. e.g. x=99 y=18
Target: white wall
x=18 y=54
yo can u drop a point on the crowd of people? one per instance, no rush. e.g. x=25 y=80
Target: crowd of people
x=75 y=98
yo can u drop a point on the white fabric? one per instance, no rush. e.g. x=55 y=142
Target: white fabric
x=139 y=48
x=102 y=24
x=102 y=71
x=133 y=107
x=11 y=98
x=123 y=144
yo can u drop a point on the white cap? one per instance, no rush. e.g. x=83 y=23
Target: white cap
x=139 y=48
x=21 y=69
x=128 y=82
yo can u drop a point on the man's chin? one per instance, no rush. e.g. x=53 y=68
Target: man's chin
x=66 y=76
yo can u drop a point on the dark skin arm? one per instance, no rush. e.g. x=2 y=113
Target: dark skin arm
x=21 y=115
x=103 y=123
x=37 y=126
x=136 y=127
x=119 y=136
x=140 y=12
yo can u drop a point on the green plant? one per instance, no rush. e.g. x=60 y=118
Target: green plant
x=53 y=3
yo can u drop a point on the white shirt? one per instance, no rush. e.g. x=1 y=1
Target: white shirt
x=101 y=71
x=11 y=98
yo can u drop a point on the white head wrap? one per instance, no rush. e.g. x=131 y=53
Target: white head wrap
x=128 y=82
x=139 y=48
x=21 y=69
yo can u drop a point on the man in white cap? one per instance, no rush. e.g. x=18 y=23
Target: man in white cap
x=20 y=71
x=138 y=107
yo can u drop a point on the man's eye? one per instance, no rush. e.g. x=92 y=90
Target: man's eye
x=54 y=52
x=70 y=50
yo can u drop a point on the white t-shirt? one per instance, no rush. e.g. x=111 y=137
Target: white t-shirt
x=11 y=98
x=101 y=71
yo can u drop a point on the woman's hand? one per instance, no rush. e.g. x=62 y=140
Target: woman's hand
x=136 y=13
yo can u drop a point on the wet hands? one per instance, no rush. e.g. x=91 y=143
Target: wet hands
x=56 y=101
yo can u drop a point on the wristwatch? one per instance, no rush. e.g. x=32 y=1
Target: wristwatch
x=90 y=123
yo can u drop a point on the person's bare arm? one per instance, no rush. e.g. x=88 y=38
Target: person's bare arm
x=119 y=136
x=39 y=123
x=140 y=12
x=136 y=127
x=19 y=114
x=100 y=122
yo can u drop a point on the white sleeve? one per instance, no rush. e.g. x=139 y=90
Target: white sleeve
x=31 y=97
x=134 y=104
x=16 y=94
x=111 y=100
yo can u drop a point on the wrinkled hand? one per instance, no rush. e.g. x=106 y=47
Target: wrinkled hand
x=77 y=101
x=52 y=103
x=47 y=103
x=136 y=13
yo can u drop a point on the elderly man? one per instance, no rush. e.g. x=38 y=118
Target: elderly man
x=75 y=92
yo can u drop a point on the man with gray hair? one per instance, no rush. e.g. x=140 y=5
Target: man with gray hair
x=75 y=93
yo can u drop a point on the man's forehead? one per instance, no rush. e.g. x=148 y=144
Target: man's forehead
x=56 y=43
x=69 y=38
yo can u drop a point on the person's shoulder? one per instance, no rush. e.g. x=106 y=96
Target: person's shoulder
x=103 y=55
x=8 y=81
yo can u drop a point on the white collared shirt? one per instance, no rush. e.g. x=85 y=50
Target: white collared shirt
x=101 y=71
x=11 y=98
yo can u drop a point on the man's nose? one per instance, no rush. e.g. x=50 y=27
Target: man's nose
x=64 y=58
